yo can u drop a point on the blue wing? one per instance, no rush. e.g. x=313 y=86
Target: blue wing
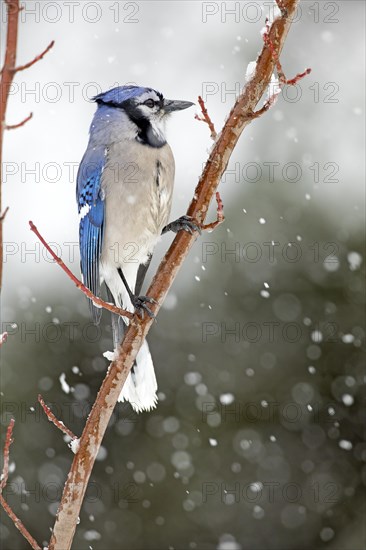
x=91 y=212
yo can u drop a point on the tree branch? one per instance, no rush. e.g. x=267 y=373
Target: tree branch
x=8 y=442
x=52 y=418
x=240 y=116
x=7 y=74
x=5 y=83
x=4 y=479
x=2 y=216
x=15 y=126
x=275 y=56
x=35 y=60
x=220 y=215
x=97 y=301
x=206 y=118
x=18 y=524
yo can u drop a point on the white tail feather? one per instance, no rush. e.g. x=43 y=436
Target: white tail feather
x=141 y=386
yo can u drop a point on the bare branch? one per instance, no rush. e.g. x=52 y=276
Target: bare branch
x=220 y=215
x=8 y=442
x=2 y=217
x=7 y=75
x=297 y=77
x=97 y=422
x=52 y=418
x=97 y=301
x=268 y=104
x=15 y=126
x=4 y=478
x=19 y=525
x=206 y=118
x=275 y=55
x=5 y=83
x=35 y=60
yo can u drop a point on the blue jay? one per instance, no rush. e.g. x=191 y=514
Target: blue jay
x=124 y=194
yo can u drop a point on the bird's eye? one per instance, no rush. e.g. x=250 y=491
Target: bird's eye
x=149 y=103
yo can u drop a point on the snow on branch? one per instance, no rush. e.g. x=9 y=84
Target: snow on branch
x=3 y=338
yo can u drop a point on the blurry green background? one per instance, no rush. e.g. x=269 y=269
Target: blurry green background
x=258 y=438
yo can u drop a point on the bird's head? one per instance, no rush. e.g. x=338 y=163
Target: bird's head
x=145 y=108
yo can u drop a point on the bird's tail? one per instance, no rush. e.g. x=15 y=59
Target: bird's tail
x=140 y=387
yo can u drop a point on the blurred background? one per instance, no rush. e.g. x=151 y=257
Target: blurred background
x=258 y=438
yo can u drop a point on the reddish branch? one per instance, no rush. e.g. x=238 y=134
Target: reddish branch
x=7 y=74
x=97 y=301
x=18 y=524
x=8 y=442
x=240 y=116
x=281 y=75
x=275 y=56
x=220 y=215
x=282 y=7
x=4 y=479
x=206 y=118
x=2 y=217
x=52 y=418
x=35 y=60
x=267 y=105
x=15 y=126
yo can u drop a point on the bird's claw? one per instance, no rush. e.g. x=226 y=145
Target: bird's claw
x=185 y=223
x=139 y=303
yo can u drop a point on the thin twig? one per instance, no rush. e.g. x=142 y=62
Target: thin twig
x=275 y=55
x=206 y=118
x=2 y=217
x=97 y=301
x=4 y=478
x=268 y=104
x=8 y=442
x=98 y=419
x=19 y=524
x=15 y=126
x=220 y=215
x=35 y=60
x=52 y=418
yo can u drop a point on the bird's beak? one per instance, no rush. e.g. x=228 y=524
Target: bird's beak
x=171 y=105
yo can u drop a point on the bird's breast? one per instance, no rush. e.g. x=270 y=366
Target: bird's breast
x=137 y=183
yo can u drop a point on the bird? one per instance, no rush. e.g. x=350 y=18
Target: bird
x=124 y=195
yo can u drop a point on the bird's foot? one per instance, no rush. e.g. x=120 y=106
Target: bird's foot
x=140 y=305
x=185 y=223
